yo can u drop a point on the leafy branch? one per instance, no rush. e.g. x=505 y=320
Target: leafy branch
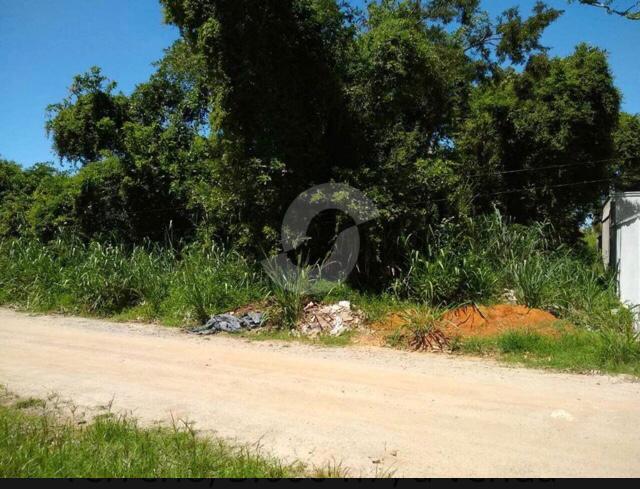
x=631 y=12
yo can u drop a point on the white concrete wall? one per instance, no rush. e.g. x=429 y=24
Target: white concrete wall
x=627 y=246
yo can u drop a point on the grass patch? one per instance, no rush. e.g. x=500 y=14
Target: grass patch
x=286 y=335
x=581 y=351
x=142 y=283
x=30 y=403
x=468 y=261
x=48 y=445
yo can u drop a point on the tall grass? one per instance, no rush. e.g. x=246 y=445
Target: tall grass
x=290 y=291
x=477 y=260
x=103 y=279
x=209 y=280
x=471 y=260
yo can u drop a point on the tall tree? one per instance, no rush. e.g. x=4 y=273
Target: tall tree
x=539 y=143
x=278 y=121
x=89 y=121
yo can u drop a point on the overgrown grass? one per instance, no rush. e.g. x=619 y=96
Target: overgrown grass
x=38 y=442
x=149 y=283
x=478 y=260
x=469 y=261
x=154 y=284
x=580 y=351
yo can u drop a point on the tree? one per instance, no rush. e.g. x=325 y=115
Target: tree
x=17 y=188
x=430 y=107
x=89 y=121
x=278 y=122
x=626 y=166
x=539 y=143
x=304 y=91
x=412 y=73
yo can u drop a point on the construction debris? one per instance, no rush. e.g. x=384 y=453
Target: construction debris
x=229 y=323
x=333 y=319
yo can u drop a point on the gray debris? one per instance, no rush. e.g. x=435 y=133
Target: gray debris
x=230 y=324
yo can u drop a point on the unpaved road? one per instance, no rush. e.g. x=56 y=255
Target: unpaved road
x=371 y=409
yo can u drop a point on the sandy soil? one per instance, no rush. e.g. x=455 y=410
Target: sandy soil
x=371 y=409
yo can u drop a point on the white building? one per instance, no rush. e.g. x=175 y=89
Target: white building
x=621 y=243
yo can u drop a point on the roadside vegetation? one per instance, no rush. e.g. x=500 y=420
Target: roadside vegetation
x=41 y=438
x=473 y=261
x=583 y=352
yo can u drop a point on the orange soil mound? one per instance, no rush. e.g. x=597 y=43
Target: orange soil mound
x=479 y=321
x=376 y=333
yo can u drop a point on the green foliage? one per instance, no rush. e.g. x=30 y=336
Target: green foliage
x=276 y=123
x=12 y=198
x=49 y=444
x=51 y=210
x=407 y=101
x=104 y=279
x=210 y=280
x=626 y=166
x=100 y=203
x=605 y=351
x=415 y=103
x=518 y=37
x=478 y=260
x=468 y=260
x=89 y=121
x=290 y=293
x=539 y=143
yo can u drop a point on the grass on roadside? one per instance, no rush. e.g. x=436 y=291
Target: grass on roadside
x=284 y=335
x=36 y=441
x=144 y=283
x=580 y=351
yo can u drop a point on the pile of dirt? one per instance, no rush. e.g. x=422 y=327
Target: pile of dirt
x=472 y=321
x=480 y=321
x=332 y=319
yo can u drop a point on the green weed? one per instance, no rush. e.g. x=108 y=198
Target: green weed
x=48 y=445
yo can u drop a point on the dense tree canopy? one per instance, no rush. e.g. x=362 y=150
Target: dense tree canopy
x=431 y=108
x=542 y=138
x=626 y=164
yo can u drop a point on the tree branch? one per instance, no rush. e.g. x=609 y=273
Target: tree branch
x=632 y=12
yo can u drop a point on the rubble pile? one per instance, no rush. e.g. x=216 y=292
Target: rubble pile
x=333 y=319
x=317 y=319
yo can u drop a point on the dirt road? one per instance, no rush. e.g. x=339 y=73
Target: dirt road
x=371 y=409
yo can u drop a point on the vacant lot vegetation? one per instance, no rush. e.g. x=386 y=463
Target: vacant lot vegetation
x=470 y=261
x=37 y=440
x=582 y=351
x=146 y=282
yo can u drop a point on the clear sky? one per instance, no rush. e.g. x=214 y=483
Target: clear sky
x=44 y=43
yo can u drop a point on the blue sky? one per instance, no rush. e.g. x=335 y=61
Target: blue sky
x=44 y=43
